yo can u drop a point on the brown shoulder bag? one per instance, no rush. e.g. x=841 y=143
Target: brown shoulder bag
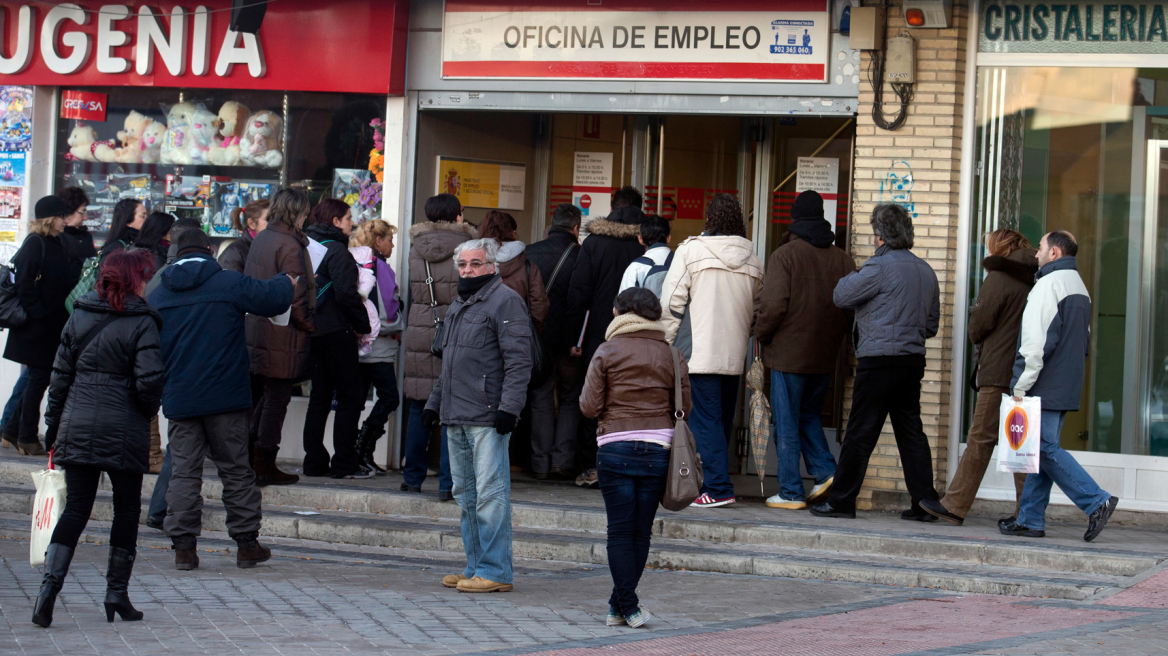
x=684 y=482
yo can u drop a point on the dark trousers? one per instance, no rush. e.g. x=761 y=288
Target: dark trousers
x=417 y=444
x=267 y=418
x=14 y=399
x=157 y=510
x=632 y=481
x=80 y=491
x=885 y=387
x=553 y=433
x=383 y=378
x=26 y=416
x=715 y=397
x=223 y=437
x=335 y=370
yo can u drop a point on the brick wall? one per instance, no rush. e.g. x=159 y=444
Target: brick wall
x=928 y=148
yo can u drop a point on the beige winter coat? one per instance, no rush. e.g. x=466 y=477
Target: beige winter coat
x=720 y=279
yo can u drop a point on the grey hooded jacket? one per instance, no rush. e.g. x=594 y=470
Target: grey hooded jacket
x=897 y=302
x=486 y=358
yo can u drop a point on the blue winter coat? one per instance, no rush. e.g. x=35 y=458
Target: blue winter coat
x=203 y=343
x=897 y=302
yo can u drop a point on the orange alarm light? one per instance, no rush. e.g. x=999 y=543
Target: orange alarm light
x=914 y=17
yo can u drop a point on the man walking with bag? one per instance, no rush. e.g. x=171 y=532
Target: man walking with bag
x=1051 y=361
x=486 y=366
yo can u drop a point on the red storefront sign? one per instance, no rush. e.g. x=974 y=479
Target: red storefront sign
x=83 y=105
x=355 y=46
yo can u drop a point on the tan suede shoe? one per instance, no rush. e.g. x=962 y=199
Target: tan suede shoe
x=452 y=580
x=479 y=584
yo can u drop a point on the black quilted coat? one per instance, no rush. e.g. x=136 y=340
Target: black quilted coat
x=101 y=401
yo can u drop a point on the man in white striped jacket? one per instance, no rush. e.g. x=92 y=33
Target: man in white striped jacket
x=1051 y=361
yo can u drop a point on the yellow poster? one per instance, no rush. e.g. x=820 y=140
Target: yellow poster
x=483 y=183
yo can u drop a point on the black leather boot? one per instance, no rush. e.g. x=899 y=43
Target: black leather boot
x=117 y=584
x=57 y=561
x=367 y=443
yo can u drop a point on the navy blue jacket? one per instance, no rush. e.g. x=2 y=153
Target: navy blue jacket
x=203 y=343
x=1055 y=338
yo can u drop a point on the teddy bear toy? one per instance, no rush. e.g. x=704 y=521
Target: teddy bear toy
x=151 y=142
x=131 y=150
x=233 y=118
x=177 y=142
x=80 y=141
x=204 y=136
x=262 y=142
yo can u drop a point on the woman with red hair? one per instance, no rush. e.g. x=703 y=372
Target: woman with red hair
x=106 y=385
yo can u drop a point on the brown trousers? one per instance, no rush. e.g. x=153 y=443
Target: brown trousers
x=155 y=447
x=979 y=449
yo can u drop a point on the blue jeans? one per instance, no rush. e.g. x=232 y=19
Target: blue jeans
x=14 y=400
x=797 y=404
x=632 y=481
x=715 y=398
x=417 y=445
x=157 y=512
x=481 y=467
x=1055 y=465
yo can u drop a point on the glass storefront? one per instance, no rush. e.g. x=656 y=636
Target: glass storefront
x=1077 y=149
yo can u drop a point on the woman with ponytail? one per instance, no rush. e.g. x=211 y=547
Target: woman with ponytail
x=248 y=221
x=106 y=385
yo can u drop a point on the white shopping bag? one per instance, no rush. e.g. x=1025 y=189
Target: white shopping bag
x=1019 y=435
x=50 y=501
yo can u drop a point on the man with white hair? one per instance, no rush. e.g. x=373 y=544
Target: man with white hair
x=486 y=366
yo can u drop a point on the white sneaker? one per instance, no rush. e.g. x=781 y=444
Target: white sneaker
x=778 y=501
x=820 y=490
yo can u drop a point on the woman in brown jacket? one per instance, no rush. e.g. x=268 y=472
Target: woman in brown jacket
x=279 y=353
x=517 y=273
x=630 y=389
x=994 y=323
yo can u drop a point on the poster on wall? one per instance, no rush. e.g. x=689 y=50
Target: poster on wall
x=821 y=174
x=592 y=187
x=9 y=213
x=744 y=40
x=12 y=171
x=483 y=183
x=16 y=126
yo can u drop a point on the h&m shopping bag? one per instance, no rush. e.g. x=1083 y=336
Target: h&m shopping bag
x=1019 y=434
x=50 y=501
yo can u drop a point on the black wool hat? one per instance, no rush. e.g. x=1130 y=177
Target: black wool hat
x=193 y=240
x=807 y=205
x=50 y=206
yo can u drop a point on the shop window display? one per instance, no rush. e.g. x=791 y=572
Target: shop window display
x=202 y=153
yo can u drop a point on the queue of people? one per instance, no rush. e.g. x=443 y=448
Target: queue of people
x=566 y=358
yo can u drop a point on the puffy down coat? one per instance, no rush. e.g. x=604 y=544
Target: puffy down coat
x=101 y=400
x=897 y=303
x=282 y=351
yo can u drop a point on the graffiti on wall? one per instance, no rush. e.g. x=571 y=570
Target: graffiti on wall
x=896 y=186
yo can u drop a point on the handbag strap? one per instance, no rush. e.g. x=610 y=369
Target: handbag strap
x=563 y=258
x=677 y=400
x=93 y=332
x=433 y=298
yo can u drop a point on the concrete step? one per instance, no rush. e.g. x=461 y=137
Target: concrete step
x=441 y=534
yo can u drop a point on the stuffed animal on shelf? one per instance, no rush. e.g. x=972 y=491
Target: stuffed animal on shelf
x=204 y=136
x=177 y=142
x=263 y=141
x=151 y=142
x=105 y=151
x=233 y=117
x=131 y=150
x=81 y=141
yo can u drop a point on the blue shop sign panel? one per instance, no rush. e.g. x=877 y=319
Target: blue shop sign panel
x=1074 y=27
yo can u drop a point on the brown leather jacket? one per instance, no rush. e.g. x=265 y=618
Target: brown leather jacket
x=281 y=351
x=797 y=323
x=996 y=316
x=515 y=274
x=630 y=381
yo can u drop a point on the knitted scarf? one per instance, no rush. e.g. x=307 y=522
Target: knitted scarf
x=630 y=323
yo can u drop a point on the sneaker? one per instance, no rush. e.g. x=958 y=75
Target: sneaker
x=707 y=501
x=778 y=501
x=936 y=509
x=614 y=618
x=1003 y=522
x=820 y=490
x=587 y=478
x=1014 y=528
x=1099 y=519
x=638 y=619
x=361 y=472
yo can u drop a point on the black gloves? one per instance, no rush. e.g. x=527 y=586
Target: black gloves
x=429 y=418
x=505 y=422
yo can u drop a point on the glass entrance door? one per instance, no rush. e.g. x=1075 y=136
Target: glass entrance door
x=1155 y=341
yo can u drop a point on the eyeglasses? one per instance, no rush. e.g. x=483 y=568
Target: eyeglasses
x=473 y=264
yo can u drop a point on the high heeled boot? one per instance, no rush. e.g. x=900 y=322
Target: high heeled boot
x=117 y=579
x=57 y=561
x=367 y=443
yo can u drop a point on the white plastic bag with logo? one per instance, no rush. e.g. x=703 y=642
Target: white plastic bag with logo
x=50 y=501
x=1019 y=434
